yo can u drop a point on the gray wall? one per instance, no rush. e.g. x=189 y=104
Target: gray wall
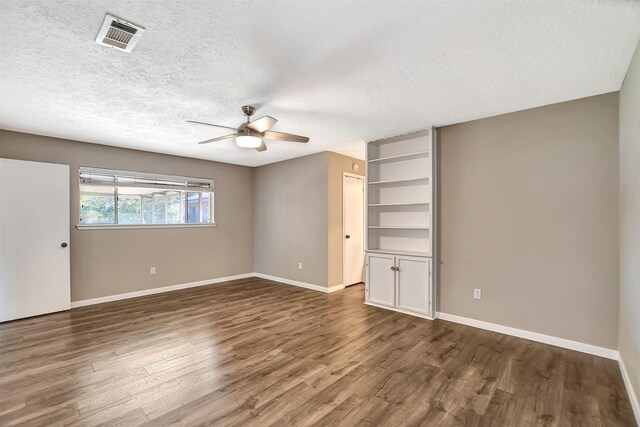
x=629 y=336
x=295 y=219
x=290 y=200
x=529 y=214
x=298 y=217
x=109 y=262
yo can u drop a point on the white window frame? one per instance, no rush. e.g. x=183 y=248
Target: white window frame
x=167 y=182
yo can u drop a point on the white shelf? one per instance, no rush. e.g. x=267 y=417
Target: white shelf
x=398 y=227
x=400 y=157
x=400 y=181
x=399 y=252
x=378 y=205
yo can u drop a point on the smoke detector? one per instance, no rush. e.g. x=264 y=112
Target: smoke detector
x=119 y=34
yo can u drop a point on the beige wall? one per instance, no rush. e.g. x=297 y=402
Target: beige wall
x=338 y=164
x=109 y=262
x=290 y=200
x=529 y=214
x=629 y=335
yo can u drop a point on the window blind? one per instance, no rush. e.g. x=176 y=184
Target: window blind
x=115 y=178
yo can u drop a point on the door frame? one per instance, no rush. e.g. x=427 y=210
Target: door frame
x=364 y=212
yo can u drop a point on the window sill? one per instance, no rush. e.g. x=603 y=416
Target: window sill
x=140 y=227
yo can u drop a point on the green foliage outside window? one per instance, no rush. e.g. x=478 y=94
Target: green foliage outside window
x=97 y=209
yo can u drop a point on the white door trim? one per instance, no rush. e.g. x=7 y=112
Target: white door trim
x=364 y=209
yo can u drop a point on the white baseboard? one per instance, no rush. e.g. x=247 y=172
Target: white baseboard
x=399 y=310
x=300 y=284
x=335 y=288
x=533 y=336
x=633 y=397
x=109 y=298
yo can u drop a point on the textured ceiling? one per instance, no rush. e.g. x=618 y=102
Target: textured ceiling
x=338 y=72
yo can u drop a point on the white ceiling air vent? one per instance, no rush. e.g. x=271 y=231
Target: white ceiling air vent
x=118 y=33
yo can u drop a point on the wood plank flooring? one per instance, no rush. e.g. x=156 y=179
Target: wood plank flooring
x=256 y=353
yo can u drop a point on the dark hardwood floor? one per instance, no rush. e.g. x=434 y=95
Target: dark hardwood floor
x=256 y=353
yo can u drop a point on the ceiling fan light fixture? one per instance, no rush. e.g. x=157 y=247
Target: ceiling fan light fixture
x=248 y=141
x=247 y=137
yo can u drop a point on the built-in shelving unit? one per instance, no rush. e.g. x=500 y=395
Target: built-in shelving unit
x=399 y=193
x=400 y=219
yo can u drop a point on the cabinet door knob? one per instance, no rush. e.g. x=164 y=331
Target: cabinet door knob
x=64 y=244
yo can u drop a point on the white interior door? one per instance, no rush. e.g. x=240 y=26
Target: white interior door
x=34 y=236
x=353 y=228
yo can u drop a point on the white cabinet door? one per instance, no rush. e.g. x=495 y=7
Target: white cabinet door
x=380 y=279
x=413 y=284
x=34 y=238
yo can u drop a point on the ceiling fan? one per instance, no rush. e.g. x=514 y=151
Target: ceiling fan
x=252 y=134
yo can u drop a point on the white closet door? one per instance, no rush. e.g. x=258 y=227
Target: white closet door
x=380 y=279
x=413 y=284
x=34 y=235
x=353 y=226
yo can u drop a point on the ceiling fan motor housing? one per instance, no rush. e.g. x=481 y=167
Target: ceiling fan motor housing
x=244 y=130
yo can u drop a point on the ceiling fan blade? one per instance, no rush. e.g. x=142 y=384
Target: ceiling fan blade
x=281 y=136
x=262 y=147
x=211 y=124
x=262 y=124
x=220 y=138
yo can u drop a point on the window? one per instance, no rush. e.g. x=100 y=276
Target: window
x=119 y=198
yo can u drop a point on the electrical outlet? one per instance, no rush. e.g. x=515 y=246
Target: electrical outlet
x=152 y=270
x=477 y=294
x=299 y=266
